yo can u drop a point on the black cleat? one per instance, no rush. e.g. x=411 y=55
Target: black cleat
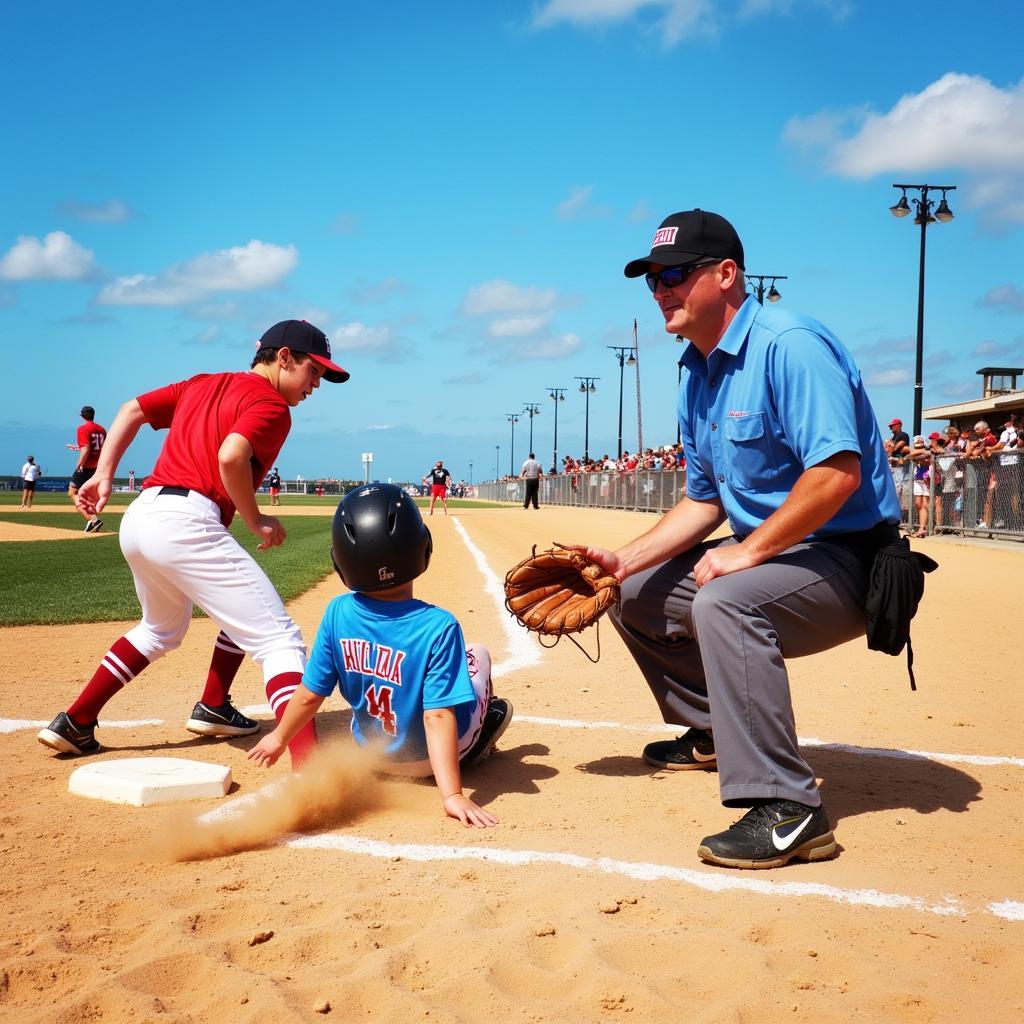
x=496 y=721
x=224 y=720
x=94 y=526
x=694 y=749
x=68 y=737
x=769 y=835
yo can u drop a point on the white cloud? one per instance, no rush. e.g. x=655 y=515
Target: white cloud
x=346 y=224
x=1004 y=299
x=378 y=291
x=959 y=123
x=672 y=19
x=504 y=297
x=240 y=268
x=578 y=205
x=518 y=326
x=113 y=211
x=357 y=336
x=552 y=347
x=641 y=213
x=1010 y=350
x=58 y=257
x=888 y=376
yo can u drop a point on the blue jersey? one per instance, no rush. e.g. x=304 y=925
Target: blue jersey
x=391 y=660
x=777 y=395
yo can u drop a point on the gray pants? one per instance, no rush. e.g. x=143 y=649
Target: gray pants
x=714 y=656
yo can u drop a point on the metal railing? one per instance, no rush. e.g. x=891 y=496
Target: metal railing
x=644 y=490
x=973 y=497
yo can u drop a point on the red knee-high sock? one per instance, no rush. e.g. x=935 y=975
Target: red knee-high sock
x=227 y=659
x=121 y=664
x=279 y=691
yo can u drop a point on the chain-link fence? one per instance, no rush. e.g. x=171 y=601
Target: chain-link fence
x=976 y=497
x=951 y=494
x=646 y=490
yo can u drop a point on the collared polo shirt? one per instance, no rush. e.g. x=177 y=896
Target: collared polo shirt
x=778 y=395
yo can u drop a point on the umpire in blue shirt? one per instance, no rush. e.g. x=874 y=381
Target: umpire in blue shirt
x=781 y=442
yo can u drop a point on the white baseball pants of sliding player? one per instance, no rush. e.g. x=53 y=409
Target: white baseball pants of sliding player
x=181 y=555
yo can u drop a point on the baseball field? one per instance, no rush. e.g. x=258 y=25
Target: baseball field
x=346 y=896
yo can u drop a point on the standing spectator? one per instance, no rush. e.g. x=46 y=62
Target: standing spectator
x=921 y=461
x=131 y=480
x=274 y=483
x=88 y=445
x=531 y=473
x=984 y=442
x=944 y=462
x=1006 y=513
x=898 y=448
x=30 y=473
x=439 y=479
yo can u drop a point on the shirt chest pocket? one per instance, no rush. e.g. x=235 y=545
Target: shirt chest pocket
x=751 y=463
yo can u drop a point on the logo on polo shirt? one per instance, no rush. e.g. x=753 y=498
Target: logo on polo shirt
x=737 y=412
x=664 y=236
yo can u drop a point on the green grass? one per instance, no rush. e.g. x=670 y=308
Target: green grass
x=46 y=500
x=58 y=582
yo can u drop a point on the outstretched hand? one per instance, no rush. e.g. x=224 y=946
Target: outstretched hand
x=93 y=494
x=270 y=530
x=463 y=809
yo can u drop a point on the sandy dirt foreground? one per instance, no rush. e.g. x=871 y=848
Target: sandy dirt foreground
x=588 y=902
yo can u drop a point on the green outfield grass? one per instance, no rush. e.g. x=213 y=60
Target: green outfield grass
x=58 y=582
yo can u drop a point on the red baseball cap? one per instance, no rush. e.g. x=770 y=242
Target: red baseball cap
x=934 y=435
x=893 y=423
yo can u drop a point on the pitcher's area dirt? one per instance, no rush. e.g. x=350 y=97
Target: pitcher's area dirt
x=587 y=903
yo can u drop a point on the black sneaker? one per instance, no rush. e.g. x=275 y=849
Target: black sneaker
x=499 y=714
x=770 y=834
x=224 y=720
x=694 y=749
x=94 y=525
x=68 y=737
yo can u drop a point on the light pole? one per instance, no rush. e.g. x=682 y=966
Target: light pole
x=773 y=293
x=497 y=448
x=557 y=395
x=620 y=354
x=587 y=387
x=943 y=214
x=534 y=410
x=513 y=418
x=470 y=474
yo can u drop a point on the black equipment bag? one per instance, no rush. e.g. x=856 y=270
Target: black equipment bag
x=895 y=586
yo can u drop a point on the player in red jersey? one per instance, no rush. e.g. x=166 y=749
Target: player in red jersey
x=88 y=444
x=224 y=431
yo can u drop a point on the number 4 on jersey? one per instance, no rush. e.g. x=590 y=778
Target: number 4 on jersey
x=378 y=704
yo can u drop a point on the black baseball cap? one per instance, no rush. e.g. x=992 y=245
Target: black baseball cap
x=302 y=336
x=687 y=237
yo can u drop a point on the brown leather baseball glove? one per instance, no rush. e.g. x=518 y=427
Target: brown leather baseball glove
x=559 y=592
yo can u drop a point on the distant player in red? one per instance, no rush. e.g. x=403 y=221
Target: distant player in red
x=224 y=431
x=88 y=444
x=439 y=480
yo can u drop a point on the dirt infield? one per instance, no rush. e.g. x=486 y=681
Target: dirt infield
x=588 y=902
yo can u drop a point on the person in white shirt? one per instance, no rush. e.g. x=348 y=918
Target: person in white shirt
x=30 y=473
x=1006 y=501
x=531 y=472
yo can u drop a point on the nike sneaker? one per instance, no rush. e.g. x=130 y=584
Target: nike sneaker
x=694 y=749
x=69 y=737
x=496 y=721
x=224 y=720
x=771 y=833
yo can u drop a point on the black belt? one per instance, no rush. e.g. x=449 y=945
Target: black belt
x=181 y=492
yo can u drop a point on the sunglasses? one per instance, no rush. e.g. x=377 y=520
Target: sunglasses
x=672 y=277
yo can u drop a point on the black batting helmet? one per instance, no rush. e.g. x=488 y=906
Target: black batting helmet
x=379 y=539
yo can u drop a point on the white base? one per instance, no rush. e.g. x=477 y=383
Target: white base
x=141 y=781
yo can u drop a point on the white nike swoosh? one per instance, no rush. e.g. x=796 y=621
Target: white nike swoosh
x=785 y=844
x=698 y=756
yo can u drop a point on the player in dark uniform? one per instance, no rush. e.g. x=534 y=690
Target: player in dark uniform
x=439 y=478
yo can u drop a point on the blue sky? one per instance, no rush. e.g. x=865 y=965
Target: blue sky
x=451 y=191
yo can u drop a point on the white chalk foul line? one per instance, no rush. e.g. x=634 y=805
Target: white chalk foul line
x=14 y=724
x=709 y=881
x=523 y=652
